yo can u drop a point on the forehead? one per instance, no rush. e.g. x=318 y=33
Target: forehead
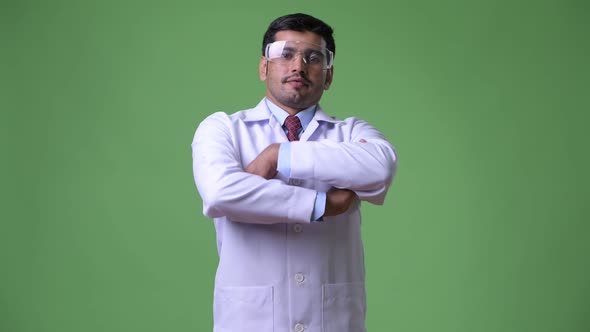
x=306 y=36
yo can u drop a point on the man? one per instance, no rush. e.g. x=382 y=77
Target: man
x=283 y=182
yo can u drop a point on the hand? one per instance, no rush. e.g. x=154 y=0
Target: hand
x=338 y=201
x=265 y=164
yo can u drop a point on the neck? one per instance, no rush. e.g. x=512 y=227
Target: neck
x=290 y=110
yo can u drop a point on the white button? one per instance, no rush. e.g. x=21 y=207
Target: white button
x=297 y=228
x=299 y=327
x=295 y=182
x=299 y=277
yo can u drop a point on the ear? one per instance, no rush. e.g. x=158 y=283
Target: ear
x=263 y=68
x=329 y=78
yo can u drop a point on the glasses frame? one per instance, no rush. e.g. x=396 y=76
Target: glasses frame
x=329 y=53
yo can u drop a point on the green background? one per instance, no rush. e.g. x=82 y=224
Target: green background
x=484 y=229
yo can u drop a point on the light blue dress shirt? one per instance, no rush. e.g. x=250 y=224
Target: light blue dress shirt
x=284 y=158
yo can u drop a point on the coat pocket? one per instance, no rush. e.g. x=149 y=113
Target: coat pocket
x=243 y=309
x=344 y=307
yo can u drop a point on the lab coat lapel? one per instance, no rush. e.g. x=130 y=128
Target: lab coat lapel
x=277 y=129
x=316 y=124
x=261 y=113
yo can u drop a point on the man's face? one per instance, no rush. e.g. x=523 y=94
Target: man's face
x=296 y=85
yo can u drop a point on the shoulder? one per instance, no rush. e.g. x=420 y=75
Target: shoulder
x=352 y=127
x=221 y=117
x=322 y=116
x=259 y=112
x=224 y=124
x=334 y=122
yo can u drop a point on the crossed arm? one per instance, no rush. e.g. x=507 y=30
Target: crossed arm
x=363 y=167
x=265 y=165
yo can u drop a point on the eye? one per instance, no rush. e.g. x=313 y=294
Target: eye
x=287 y=55
x=315 y=57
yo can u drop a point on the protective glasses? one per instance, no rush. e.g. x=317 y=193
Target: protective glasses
x=284 y=52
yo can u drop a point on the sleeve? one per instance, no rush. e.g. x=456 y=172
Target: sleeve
x=228 y=191
x=320 y=207
x=284 y=167
x=365 y=164
x=284 y=159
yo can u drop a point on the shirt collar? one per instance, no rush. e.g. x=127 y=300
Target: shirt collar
x=280 y=115
x=262 y=113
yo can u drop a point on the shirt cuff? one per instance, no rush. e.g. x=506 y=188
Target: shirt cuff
x=319 y=208
x=284 y=159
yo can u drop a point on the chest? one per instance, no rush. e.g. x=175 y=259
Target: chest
x=250 y=138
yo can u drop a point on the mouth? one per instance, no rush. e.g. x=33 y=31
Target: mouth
x=296 y=82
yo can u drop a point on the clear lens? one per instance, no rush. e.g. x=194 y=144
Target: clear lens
x=283 y=52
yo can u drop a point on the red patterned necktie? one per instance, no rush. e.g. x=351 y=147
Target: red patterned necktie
x=293 y=125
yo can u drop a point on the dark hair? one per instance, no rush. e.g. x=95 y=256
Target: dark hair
x=299 y=22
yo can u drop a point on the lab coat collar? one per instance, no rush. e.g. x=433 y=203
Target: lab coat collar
x=261 y=112
x=320 y=115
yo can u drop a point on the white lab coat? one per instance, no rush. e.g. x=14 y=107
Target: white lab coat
x=277 y=271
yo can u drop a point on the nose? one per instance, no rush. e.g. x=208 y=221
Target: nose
x=298 y=63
